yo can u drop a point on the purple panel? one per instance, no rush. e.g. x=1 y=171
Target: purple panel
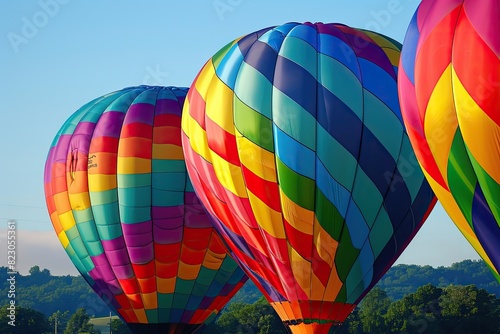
x=167 y=106
x=205 y=303
x=118 y=257
x=113 y=244
x=187 y=315
x=47 y=173
x=109 y=125
x=196 y=220
x=139 y=234
x=167 y=236
x=159 y=212
x=168 y=223
x=140 y=113
x=61 y=149
x=226 y=289
x=85 y=128
x=122 y=272
x=141 y=255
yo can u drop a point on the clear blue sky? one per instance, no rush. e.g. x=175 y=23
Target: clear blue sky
x=56 y=55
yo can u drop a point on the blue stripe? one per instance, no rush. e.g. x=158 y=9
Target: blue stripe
x=227 y=69
x=306 y=33
x=358 y=229
x=297 y=83
x=333 y=191
x=381 y=84
x=339 y=50
x=296 y=156
x=409 y=52
x=262 y=57
x=273 y=38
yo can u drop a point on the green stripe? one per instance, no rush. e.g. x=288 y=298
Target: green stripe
x=298 y=188
x=346 y=256
x=164 y=165
x=489 y=186
x=167 y=198
x=110 y=231
x=133 y=180
x=147 y=96
x=103 y=197
x=169 y=181
x=328 y=216
x=152 y=316
x=165 y=301
x=180 y=300
x=217 y=58
x=184 y=286
x=254 y=126
x=461 y=177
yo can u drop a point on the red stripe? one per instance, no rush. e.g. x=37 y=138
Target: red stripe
x=129 y=285
x=192 y=257
x=103 y=144
x=167 y=253
x=167 y=135
x=300 y=241
x=222 y=142
x=167 y=120
x=320 y=268
x=433 y=57
x=144 y=270
x=196 y=106
x=196 y=238
x=478 y=68
x=266 y=191
x=136 y=130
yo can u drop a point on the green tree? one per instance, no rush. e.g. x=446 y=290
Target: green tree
x=26 y=321
x=79 y=323
x=61 y=318
x=467 y=309
x=119 y=327
x=415 y=313
x=372 y=310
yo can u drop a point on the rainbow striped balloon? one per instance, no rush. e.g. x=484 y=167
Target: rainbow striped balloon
x=125 y=211
x=450 y=98
x=294 y=141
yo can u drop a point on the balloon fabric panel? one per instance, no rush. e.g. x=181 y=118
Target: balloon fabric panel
x=449 y=105
x=126 y=213
x=295 y=144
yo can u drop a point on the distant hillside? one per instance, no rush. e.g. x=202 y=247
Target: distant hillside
x=46 y=293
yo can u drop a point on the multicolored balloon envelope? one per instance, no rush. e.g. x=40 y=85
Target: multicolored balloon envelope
x=294 y=141
x=450 y=99
x=125 y=211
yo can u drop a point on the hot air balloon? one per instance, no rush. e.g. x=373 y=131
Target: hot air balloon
x=125 y=211
x=294 y=142
x=450 y=99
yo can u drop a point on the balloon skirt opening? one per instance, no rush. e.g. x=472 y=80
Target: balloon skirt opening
x=162 y=328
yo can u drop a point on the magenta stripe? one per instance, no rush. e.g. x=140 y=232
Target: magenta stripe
x=140 y=113
x=109 y=125
x=160 y=212
x=168 y=236
x=168 y=106
x=484 y=15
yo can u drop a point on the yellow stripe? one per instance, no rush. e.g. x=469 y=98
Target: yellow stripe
x=212 y=261
x=298 y=217
x=63 y=238
x=188 y=271
x=451 y=207
x=101 y=182
x=481 y=134
x=185 y=115
x=79 y=201
x=141 y=316
x=204 y=79
x=301 y=270
x=150 y=300
x=67 y=220
x=219 y=104
x=229 y=175
x=197 y=137
x=268 y=219
x=166 y=285
x=318 y=289
x=325 y=245
x=167 y=152
x=258 y=160
x=133 y=165
x=333 y=286
x=440 y=124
